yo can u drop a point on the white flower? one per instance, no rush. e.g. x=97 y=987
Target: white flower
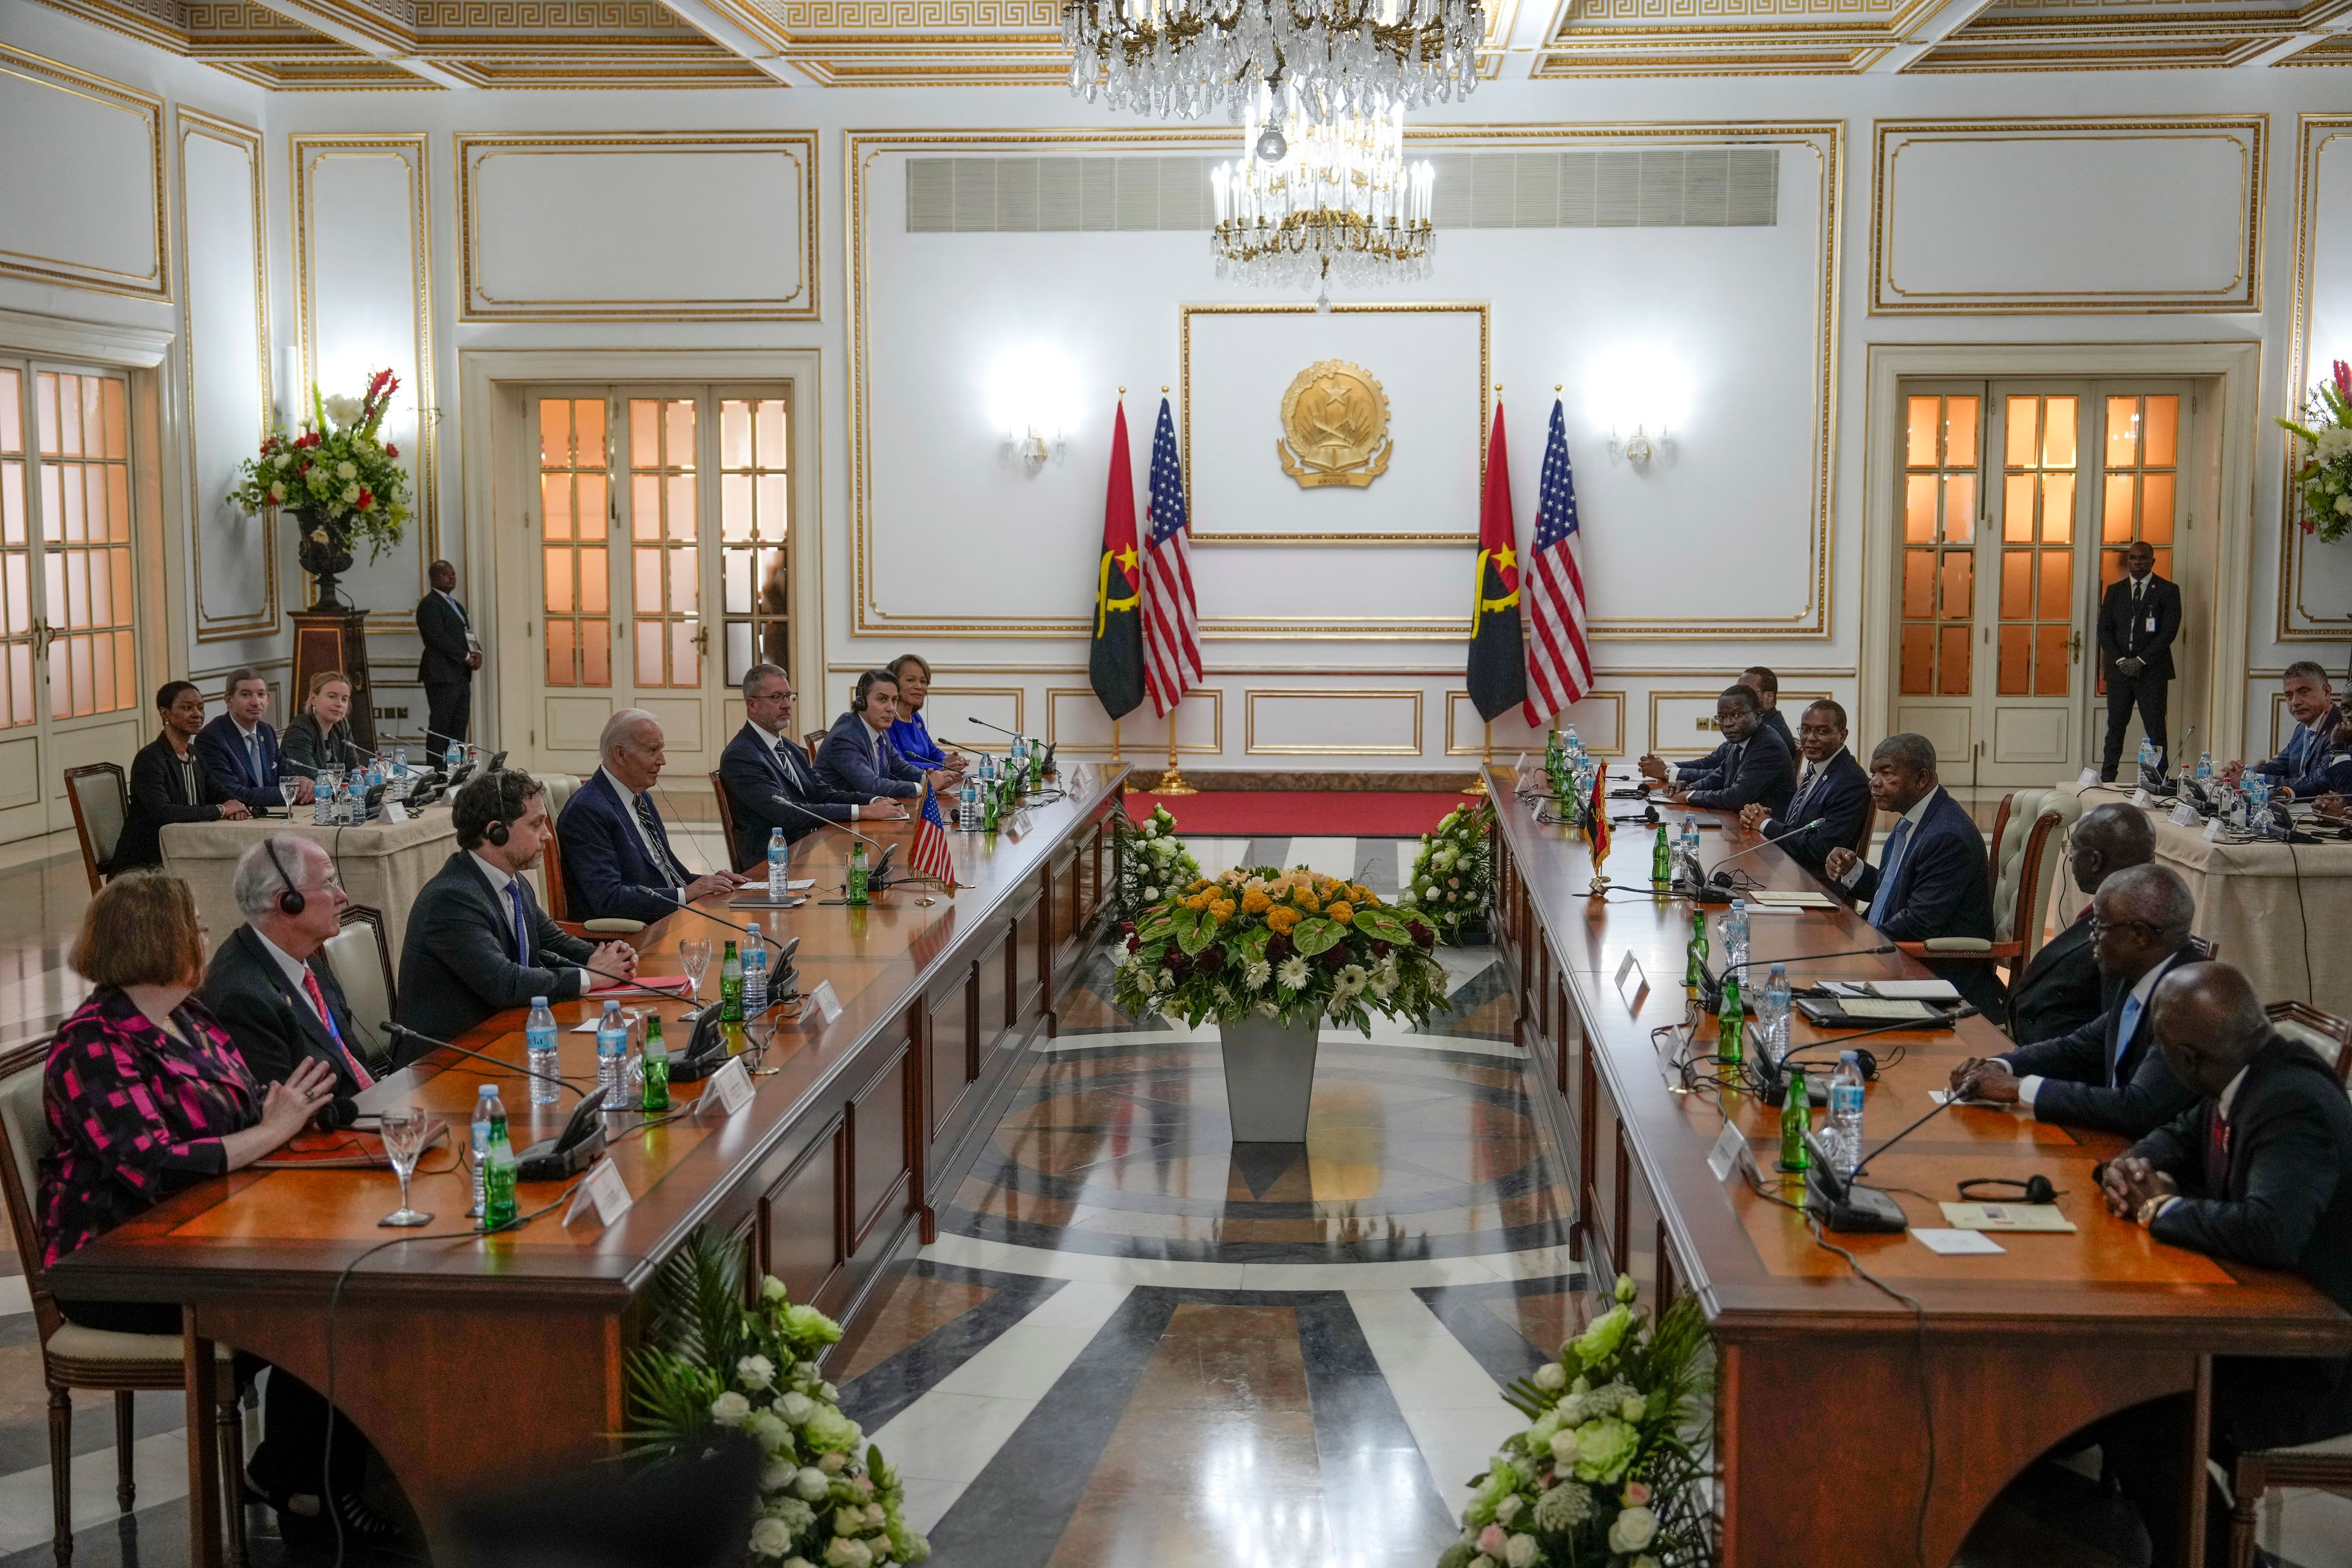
x=796 y=1408
x=284 y=460
x=848 y=1521
x=1408 y=897
x=1563 y=1448
x=1149 y=826
x=777 y=1475
x=2334 y=442
x=1176 y=1016
x=770 y=1538
x=1551 y=1377
x=2343 y=505
x=1522 y=1552
x=1353 y=978
x=344 y=410
x=1508 y=1508
x=347 y=470
x=730 y=1409
x=843 y=1552
x=755 y=1373
x=768 y=1431
x=771 y=1289
x=1292 y=972
x=351 y=494
x=811 y=1483
x=1631 y=1530
x=1256 y=972
x=1152 y=895
x=831 y=1464
x=1166 y=980
x=1224 y=996
x=1632 y=1407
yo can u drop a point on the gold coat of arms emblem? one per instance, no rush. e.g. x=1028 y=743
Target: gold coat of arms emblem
x=1334 y=427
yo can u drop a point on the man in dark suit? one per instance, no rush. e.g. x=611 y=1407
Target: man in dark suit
x=2301 y=765
x=451 y=656
x=1755 y=765
x=1931 y=880
x=2257 y=1170
x=2061 y=989
x=1833 y=789
x=169 y=782
x=770 y=782
x=617 y=859
x=1767 y=687
x=2137 y=621
x=269 y=982
x=240 y=747
x=857 y=755
x=478 y=942
x=2108 y=1075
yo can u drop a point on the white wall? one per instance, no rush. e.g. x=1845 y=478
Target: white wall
x=1897 y=225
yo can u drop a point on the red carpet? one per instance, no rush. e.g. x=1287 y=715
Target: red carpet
x=1332 y=813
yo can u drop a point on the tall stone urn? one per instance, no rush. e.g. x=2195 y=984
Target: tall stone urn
x=1269 y=1078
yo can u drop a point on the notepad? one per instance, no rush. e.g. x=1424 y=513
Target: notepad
x=1884 y=1012
x=2007 y=1216
x=1945 y=1097
x=1954 y=1243
x=1915 y=990
x=1770 y=898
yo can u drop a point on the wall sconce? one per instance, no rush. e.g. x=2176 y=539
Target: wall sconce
x=1644 y=386
x=1029 y=399
x=1637 y=449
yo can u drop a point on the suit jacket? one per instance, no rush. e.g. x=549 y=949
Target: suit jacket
x=222 y=745
x=308 y=749
x=2302 y=763
x=273 y=1022
x=159 y=794
x=2123 y=633
x=1757 y=769
x=607 y=874
x=444 y=631
x=458 y=963
x=2287 y=1200
x=1941 y=888
x=856 y=759
x=2079 y=1090
x=760 y=778
x=2060 y=989
x=1839 y=797
x=1779 y=726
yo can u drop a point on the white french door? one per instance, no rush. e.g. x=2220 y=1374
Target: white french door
x=69 y=612
x=2019 y=501
x=662 y=561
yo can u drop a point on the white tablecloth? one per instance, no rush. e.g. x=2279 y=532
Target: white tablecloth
x=2281 y=912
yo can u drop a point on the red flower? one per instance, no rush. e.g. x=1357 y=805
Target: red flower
x=1134 y=944
x=1277 y=947
x=1210 y=957
x=303 y=466
x=2343 y=379
x=1423 y=937
x=390 y=450
x=367 y=498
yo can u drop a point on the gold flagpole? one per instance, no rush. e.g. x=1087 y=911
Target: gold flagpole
x=1172 y=782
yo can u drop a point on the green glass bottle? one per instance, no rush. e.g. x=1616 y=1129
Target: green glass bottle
x=1662 y=861
x=656 y=1064
x=1730 y=1023
x=1796 y=1119
x=1695 y=970
x=1036 y=767
x=987 y=809
x=499 y=1179
x=730 y=998
x=857 y=874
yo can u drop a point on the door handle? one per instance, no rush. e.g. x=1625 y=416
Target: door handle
x=702 y=639
x=2074 y=645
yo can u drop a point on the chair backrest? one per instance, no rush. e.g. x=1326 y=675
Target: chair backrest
x=1861 y=831
x=24 y=1139
x=560 y=788
x=1992 y=845
x=2030 y=831
x=101 y=805
x=813 y=740
x=550 y=866
x=726 y=817
x=361 y=956
x=2327 y=1034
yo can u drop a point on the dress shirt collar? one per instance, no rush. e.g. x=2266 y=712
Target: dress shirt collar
x=2230 y=1090
x=246 y=731
x=876 y=734
x=2147 y=986
x=293 y=968
x=1919 y=812
x=629 y=799
x=499 y=876
x=1814 y=770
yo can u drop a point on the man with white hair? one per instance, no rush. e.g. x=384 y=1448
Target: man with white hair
x=617 y=860
x=269 y=984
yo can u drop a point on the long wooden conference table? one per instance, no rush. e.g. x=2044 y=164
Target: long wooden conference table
x=476 y=1363
x=1849 y=1430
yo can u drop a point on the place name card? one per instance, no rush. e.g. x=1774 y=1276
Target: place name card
x=728 y=1092
x=2186 y=815
x=603 y=1191
x=823 y=1000
x=394 y=812
x=1731 y=1149
x=1629 y=964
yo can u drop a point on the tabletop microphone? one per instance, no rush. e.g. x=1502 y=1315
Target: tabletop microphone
x=1714 y=887
x=402 y=1031
x=998 y=728
x=1775 y=838
x=1774 y=1072
x=878 y=877
x=1711 y=987
x=1949 y=1101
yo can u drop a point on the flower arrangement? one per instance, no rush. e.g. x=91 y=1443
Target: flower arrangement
x=1611 y=1472
x=1453 y=876
x=708 y=1361
x=1151 y=859
x=2324 y=482
x=339 y=477
x=1293 y=946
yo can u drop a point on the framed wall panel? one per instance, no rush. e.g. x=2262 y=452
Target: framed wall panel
x=1074 y=723
x=1328 y=723
x=93 y=220
x=1599 y=717
x=2315 y=603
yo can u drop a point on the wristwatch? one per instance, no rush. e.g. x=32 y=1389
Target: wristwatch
x=2149 y=1209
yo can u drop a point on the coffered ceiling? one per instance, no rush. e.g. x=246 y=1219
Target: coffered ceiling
x=465 y=44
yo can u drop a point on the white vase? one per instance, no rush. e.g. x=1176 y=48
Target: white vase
x=1269 y=1078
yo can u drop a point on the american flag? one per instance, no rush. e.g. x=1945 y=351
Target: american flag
x=1560 y=666
x=931 y=857
x=1172 y=617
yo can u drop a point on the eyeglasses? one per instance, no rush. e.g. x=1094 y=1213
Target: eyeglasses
x=2098 y=925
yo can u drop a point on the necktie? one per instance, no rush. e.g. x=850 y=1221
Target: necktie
x=521 y=930
x=252 y=757
x=319 y=999
x=1804 y=790
x=1887 y=866
x=2124 y=1024
x=780 y=754
x=2217 y=1154
x=662 y=861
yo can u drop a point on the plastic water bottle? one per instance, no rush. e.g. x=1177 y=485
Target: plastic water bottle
x=779 y=874
x=612 y=1054
x=539 y=1048
x=489 y=1119
x=755 y=971
x=400 y=764
x=2204 y=770
x=322 y=803
x=1575 y=744
x=1018 y=767
x=2151 y=760
x=1772 y=1012
x=1735 y=933
x=1845 y=1138
x=968 y=807
x=456 y=757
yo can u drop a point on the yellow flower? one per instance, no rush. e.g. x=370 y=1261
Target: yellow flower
x=1282 y=920
x=1222 y=909
x=1305 y=899
x=1340 y=911
x=1360 y=894
x=1255 y=902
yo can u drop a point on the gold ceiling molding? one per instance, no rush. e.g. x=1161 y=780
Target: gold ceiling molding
x=2247 y=134
x=797 y=148
x=1585 y=63
x=261 y=620
x=2315 y=136
x=308 y=154
x=152 y=284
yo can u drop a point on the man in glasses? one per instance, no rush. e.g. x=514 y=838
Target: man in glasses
x=2109 y=1074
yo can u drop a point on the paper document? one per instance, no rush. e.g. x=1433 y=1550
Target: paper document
x=1915 y=990
x=1880 y=1012
x=2007 y=1216
x=1945 y=1097
x=1772 y=898
x=1952 y=1242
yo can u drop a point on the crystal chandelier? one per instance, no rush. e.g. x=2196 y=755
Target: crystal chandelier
x=1342 y=202
x=1182 y=58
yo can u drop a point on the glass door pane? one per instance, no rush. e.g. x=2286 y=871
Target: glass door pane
x=17 y=627
x=84 y=483
x=2036 y=606
x=2142 y=494
x=755 y=532
x=575 y=563
x=1939 y=513
x=665 y=533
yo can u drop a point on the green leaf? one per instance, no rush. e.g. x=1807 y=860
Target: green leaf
x=1381 y=926
x=1250 y=946
x=1315 y=935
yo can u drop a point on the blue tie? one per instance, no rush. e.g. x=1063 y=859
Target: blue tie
x=1804 y=792
x=253 y=758
x=1887 y=865
x=2124 y=1024
x=521 y=930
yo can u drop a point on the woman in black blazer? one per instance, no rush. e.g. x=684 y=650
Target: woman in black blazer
x=320 y=735
x=169 y=782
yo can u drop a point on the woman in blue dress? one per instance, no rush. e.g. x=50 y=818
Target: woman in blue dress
x=910 y=734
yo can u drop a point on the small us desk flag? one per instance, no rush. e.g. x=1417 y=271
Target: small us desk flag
x=1559 y=667
x=931 y=857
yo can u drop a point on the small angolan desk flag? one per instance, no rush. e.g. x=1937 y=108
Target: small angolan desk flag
x=931 y=857
x=1498 y=672
x=1598 y=804
x=1115 y=664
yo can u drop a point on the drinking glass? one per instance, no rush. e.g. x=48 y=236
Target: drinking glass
x=403 y=1141
x=694 y=957
x=289 y=789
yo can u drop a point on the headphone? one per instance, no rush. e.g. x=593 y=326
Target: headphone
x=2037 y=1188
x=290 y=902
x=509 y=807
